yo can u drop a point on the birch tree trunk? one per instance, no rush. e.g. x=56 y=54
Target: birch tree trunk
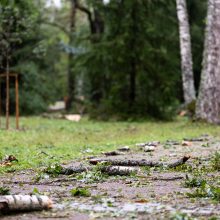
x=208 y=103
x=186 y=53
x=71 y=75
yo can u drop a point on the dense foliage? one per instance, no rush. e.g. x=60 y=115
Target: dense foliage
x=127 y=66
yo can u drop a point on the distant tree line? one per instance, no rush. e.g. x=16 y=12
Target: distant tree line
x=119 y=59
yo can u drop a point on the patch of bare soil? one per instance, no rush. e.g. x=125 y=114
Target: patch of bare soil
x=153 y=193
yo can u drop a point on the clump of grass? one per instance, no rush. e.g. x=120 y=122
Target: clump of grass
x=36 y=191
x=84 y=192
x=95 y=175
x=1 y=156
x=194 y=182
x=4 y=190
x=215 y=161
x=53 y=169
x=187 y=168
x=206 y=191
x=181 y=216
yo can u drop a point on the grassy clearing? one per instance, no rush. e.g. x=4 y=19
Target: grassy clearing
x=43 y=141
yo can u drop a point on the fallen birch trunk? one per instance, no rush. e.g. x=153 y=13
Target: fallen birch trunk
x=125 y=162
x=110 y=170
x=72 y=170
x=118 y=170
x=13 y=203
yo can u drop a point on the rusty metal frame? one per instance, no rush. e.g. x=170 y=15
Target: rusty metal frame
x=16 y=97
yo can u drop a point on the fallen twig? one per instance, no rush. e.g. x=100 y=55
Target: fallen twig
x=124 y=149
x=167 y=178
x=149 y=178
x=199 y=139
x=113 y=153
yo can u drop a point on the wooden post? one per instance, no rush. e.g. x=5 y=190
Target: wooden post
x=7 y=76
x=17 y=102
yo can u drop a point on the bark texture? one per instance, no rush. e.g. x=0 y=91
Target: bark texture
x=208 y=104
x=71 y=76
x=13 y=203
x=110 y=170
x=186 y=53
x=143 y=162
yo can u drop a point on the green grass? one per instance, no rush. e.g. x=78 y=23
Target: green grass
x=43 y=141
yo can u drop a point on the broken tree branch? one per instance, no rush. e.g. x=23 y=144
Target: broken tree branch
x=110 y=170
x=113 y=153
x=125 y=162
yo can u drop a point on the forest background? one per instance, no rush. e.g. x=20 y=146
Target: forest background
x=117 y=60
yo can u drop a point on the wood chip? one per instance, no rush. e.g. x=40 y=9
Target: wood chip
x=186 y=143
x=124 y=149
x=149 y=148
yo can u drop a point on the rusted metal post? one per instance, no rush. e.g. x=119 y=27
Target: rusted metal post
x=17 y=102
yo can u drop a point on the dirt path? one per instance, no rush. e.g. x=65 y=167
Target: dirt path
x=156 y=194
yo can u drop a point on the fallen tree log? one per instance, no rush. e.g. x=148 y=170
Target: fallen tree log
x=110 y=170
x=118 y=170
x=143 y=162
x=17 y=203
x=72 y=170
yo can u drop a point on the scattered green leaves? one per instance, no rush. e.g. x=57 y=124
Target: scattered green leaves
x=215 y=161
x=91 y=176
x=4 y=190
x=206 y=145
x=36 y=191
x=80 y=192
x=194 y=182
x=54 y=169
x=206 y=191
x=181 y=216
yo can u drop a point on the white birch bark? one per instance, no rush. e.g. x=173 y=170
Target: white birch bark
x=186 y=53
x=12 y=203
x=208 y=103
